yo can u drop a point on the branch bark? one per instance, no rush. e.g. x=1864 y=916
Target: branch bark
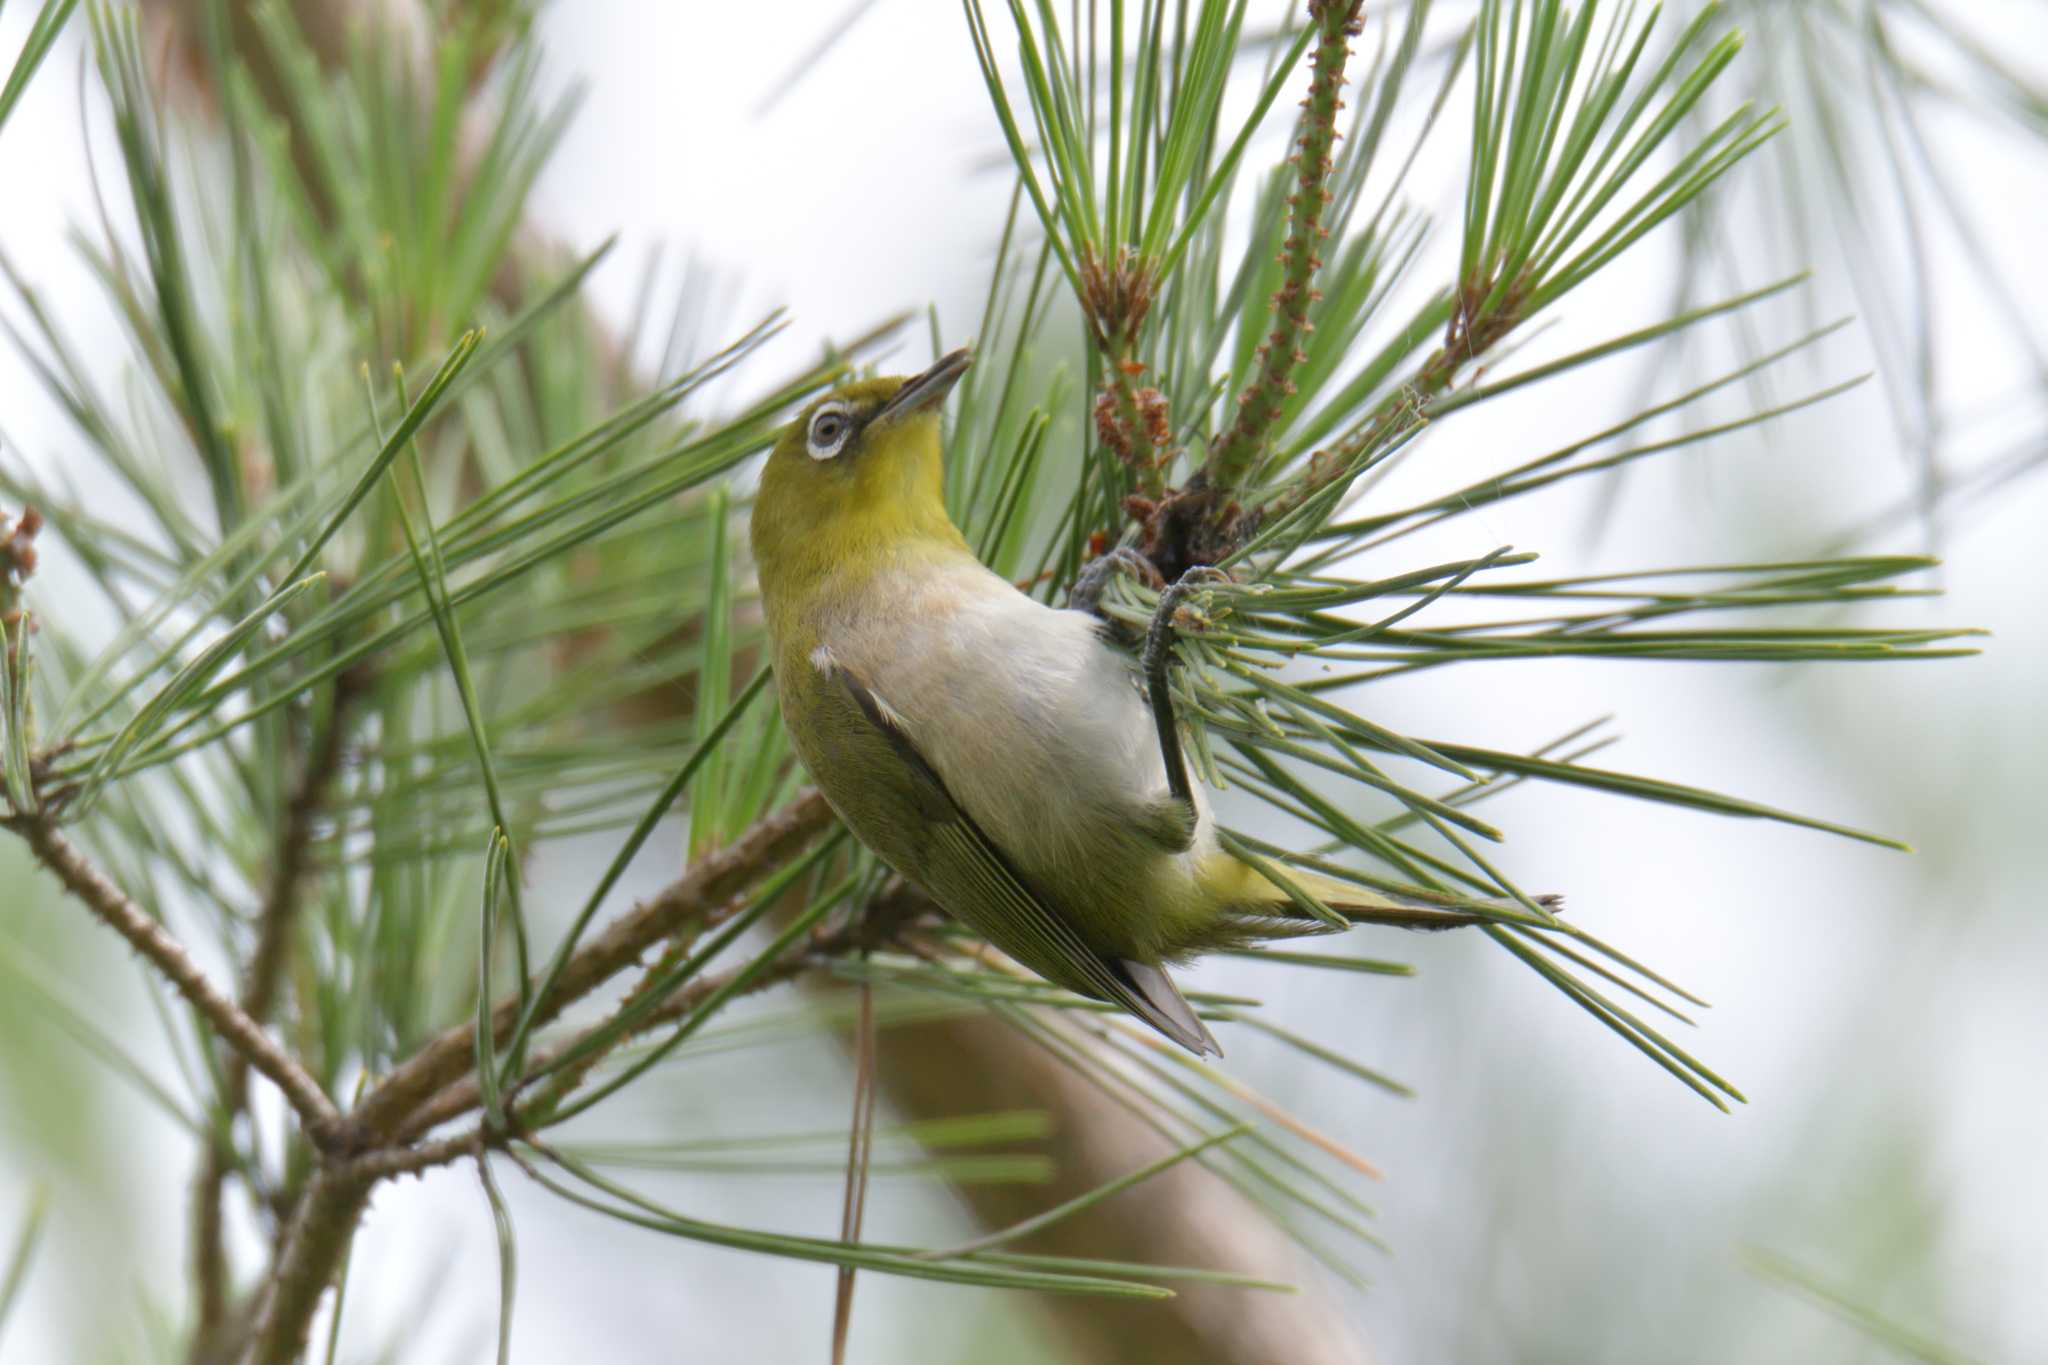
x=891 y=909
x=236 y=1028
x=311 y=1251
x=314 y=1249
x=700 y=890
x=1260 y=405
x=275 y=924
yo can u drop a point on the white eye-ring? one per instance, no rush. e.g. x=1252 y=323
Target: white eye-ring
x=830 y=426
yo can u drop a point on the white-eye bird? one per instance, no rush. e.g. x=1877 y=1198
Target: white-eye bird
x=996 y=751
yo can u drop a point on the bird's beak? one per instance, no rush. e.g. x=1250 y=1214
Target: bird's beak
x=929 y=389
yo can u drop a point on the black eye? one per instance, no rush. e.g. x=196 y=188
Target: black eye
x=830 y=427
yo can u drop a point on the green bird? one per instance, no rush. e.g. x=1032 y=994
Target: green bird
x=996 y=751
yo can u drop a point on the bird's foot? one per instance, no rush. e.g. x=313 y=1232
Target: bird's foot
x=1158 y=655
x=1095 y=578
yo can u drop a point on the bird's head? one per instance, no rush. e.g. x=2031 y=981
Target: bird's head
x=855 y=476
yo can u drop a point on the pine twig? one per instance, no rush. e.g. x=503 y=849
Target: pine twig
x=416 y=1159
x=465 y=1094
x=1264 y=398
x=314 y=1247
x=317 y=1239
x=282 y=900
x=702 y=888
x=408 y=1156
x=279 y=913
x=234 y=1025
x=892 y=908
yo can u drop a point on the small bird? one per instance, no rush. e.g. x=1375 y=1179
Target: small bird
x=998 y=752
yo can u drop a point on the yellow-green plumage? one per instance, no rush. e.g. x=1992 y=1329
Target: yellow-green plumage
x=994 y=750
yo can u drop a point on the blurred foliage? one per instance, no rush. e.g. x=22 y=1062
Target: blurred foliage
x=1890 y=106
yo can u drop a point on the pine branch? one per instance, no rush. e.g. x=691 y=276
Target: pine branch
x=275 y=921
x=234 y=1025
x=292 y=861
x=314 y=1247
x=322 y=1223
x=387 y=1163
x=317 y=1239
x=1261 y=403
x=699 y=891
x=872 y=927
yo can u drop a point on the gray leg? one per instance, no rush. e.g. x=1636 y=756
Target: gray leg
x=1094 y=580
x=1157 y=656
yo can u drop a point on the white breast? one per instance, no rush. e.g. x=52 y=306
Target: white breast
x=1037 y=725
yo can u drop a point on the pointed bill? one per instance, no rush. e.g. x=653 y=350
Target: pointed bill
x=929 y=389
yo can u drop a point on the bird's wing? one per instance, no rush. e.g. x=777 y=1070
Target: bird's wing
x=976 y=881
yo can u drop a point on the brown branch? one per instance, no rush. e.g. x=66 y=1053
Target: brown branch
x=465 y=1094
x=281 y=902
x=114 y=909
x=1264 y=399
x=1409 y=408
x=875 y=928
x=387 y=1162
x=897 y=905
x=312 y=1253
x=699 y=891
x=408 y=1156
x=275 y=923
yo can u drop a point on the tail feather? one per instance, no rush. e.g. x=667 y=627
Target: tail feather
x=1166 y=1009
x=1362 y=905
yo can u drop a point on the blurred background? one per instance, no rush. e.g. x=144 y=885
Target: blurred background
x=1549 y=1195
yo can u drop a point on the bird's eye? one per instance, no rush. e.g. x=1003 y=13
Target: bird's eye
x=830 y=427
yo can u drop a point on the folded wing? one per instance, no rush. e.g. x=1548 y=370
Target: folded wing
x=974 y=879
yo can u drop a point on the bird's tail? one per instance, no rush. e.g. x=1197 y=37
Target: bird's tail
x=1267 y=910
x=1163 y=1007
x=1363 y=905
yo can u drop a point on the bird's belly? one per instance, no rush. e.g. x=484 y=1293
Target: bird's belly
x=1040 y=734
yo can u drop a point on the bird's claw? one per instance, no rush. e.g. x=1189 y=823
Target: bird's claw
x=1165 y=615
x=1095 y=578
x=1156 y=657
